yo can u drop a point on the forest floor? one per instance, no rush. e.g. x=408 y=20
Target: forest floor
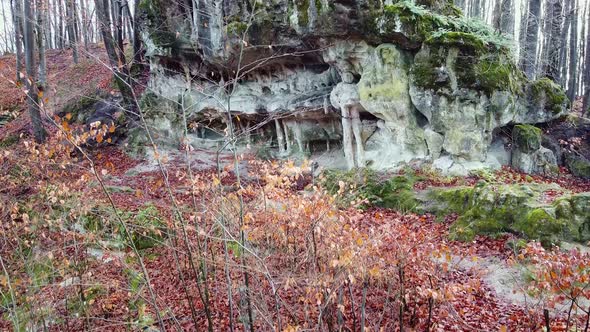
x=110 y=241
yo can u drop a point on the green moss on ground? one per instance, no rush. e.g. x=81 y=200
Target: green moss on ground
x=9 y=141
x=146 y=226
x=366 y=185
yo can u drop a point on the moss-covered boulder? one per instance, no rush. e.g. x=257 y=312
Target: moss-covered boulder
x=548 y=96
x=527 y=138
x=493 y=209
x=528 y=155
x=578 y=165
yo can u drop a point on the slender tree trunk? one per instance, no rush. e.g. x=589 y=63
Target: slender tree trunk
x=563 y=54
x=47 y=28
x=71 y=29
x=529 y=54
x=62 y=24
x=84 y=24
x=586 y=103
x=137 y=49
x=552 y=69
x=116 y=58
x=573 y=57
x=543 y=66
x=475 y=8
x=507 y=17
x=6 y=35
x=580 y=86
x=32 y=94
x=523 y=31
x=118 y=24
x=41 y=15
x=76 y=20
x=128 y=20
x=18 y=37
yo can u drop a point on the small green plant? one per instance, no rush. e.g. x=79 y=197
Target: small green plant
x=146 y=227
x=82 y=303
x=8 y=141
x=143 y=319
x=355 y=186
x=364 y=187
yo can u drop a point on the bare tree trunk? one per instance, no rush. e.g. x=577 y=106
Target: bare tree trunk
x=47 y=28
x=523 y=32
x=18 y=36
x=61 y=36
x=563 y=64
x=586 y=103
x=475 y=8
x=507 y=17
x=32 y=94
x=580 y=86
x=41 y=15
x=128 y=20
x=529 y=53
x=70 y=24
x=84 y=23
x=76 y=20
x=573 y=57
x=552 y=69
x=137 y=49
x=118 y=24
x=543 y=65
x=6 y=35
x=504 y=16
x=115 y=54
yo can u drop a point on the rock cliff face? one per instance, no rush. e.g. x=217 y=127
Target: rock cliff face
x=378 y=82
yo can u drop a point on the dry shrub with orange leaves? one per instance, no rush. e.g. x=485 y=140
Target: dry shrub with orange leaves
x=563 y=277
x=314 y=266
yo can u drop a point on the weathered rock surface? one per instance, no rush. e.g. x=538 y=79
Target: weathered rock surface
x=426 y=82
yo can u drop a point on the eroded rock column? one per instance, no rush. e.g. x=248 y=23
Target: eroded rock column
x=345 y=97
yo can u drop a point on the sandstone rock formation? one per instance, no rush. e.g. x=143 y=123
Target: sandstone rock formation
x=385 y=81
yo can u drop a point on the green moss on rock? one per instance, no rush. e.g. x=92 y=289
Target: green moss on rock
x=548 y=92
x=579 y=166
x=459 y=39
x=440 y=19
x=538 y=224
x=527 y=138
x=495 y=74
x=493 y=209
x=425 y=72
